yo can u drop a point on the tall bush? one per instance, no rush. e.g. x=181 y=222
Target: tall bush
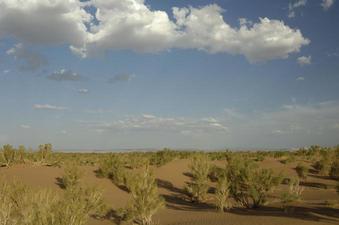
x=145 y=200
x=199 y=168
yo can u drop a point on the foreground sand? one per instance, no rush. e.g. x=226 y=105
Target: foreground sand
x=171 y=180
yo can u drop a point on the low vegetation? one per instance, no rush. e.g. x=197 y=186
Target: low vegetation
x=145 y=200
x=241 y=182
x=199 y=171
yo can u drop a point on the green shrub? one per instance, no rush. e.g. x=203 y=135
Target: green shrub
x=113 y=167
x=160 y=158
x=222 y=193
x=250 y=185
x=8 y=154
x=301 y=170
x=199 y=168
x=145 y=200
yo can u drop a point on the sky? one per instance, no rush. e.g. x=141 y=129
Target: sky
x=127 y=74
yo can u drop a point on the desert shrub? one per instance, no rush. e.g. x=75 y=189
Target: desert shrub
x=334 y=171
x=137 y=160
x=323 y=166
x=293 y=193
x=250 y=185
x=21 y=154
x=301 y=170
x=145 y=200
x=8 y=154
x=44 y=152
x=288 y=159
x=21 y=205
x=71 y=177
x=78 y=204
x=113 y=167
x=222 y=193
x=215 y=173
x=199 y=169
x=160 y=158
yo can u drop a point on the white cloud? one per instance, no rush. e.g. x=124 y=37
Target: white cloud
x=31 y=61
x=205 y=29
x=326 y=4
x=148 y=122
x=132 y=25
x=64 y=75
x=296 y=4
x=6 y=71
x=300 y=78
x=83 y=91
x=48 y=107
x=25 y=126
x=304 y=60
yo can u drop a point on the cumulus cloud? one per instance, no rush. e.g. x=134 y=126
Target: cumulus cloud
x=304 y=60
x=293 y=6
x=44 y=21
x=121 y=78
x=65 y=75
x=30 y=61
x=133 y=25
x=326 y=4
x=300 y=78
x=149 y=122
x=48 y=107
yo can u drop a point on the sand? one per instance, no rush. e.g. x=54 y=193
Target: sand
x=180 y=211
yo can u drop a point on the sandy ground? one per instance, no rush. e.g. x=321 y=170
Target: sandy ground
x=171 y=180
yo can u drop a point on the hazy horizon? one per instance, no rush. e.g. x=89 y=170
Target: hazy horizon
x=111 y=74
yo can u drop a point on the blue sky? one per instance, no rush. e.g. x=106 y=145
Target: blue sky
x=108 y=74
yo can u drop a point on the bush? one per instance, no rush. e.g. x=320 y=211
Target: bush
x=199 y=168
x=8 y=154
x=301 y=171
x=222 y=193
x=323 y=166
x=250 y=186
x=113 y=168
x=293 y=194
x=145 y=200
x=44 y=152
x=21 y=205
x=21 y=154
x=334 y=171
x=71 y=177
x=163 y=157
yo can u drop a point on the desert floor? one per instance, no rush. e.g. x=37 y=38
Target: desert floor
x=313 y=209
